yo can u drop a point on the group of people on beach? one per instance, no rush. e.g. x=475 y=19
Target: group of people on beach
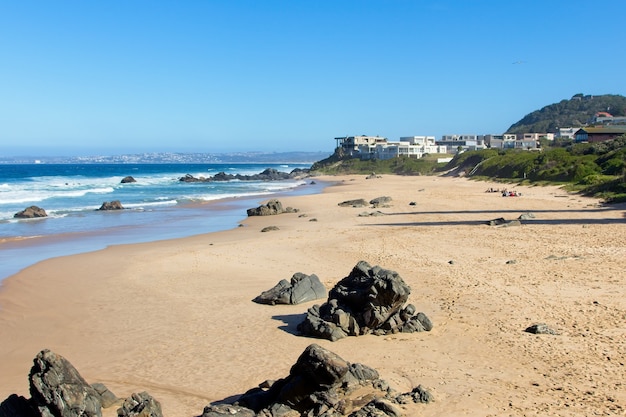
x=505 y=192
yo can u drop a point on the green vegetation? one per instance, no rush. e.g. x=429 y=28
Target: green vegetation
x=337 y=164
x=575 y=112
x=594 y=169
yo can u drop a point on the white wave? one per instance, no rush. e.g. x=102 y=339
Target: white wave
x=150 y=204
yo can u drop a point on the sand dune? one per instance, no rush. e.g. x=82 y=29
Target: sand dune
x=175 y=318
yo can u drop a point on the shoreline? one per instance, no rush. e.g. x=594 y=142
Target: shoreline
x=175 y=318
x=19 y=252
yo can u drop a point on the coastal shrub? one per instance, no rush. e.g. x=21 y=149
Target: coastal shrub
x=613 y=166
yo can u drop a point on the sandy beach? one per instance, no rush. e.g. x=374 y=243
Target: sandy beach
x=175 y=318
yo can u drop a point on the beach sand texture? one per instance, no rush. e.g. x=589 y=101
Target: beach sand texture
x=175 y=318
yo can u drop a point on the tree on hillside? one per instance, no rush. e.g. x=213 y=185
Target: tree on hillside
x=575 y=112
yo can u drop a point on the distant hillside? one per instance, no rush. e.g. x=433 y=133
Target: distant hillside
x=575 y=112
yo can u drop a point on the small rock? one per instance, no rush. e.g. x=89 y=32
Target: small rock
x=111 y=205
x=541 y=328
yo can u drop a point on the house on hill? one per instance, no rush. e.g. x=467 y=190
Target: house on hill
x=599 y=133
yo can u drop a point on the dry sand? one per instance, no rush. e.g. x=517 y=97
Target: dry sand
x=175 y=318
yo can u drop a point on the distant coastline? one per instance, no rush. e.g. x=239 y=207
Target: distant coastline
x=172 y=158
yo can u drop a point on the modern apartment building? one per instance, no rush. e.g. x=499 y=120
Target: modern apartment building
x=464 y=142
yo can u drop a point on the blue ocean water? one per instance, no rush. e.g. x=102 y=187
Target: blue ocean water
x=157 y=206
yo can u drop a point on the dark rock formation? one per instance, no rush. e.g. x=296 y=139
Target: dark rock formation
x=376 y=213
x=369 y=300
x=501 y=222
x=270 y=174
x=300 y=289
x=127 y=180
x=269 y=229
x=222 y=410
x=140 y=405
x=17 y=406
x=31 y=213
x=353 y=203
x=320 y=383
x=418 y=395
x=57 y=389
x=379 y=201
x=270 y=208
x=111 y=205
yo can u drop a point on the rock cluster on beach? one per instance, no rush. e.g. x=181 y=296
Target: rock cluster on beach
x=369 y=300
x=270 y=208
x=270 y=174
x=58 y=390
x=322 y=384
x=301 y=288
x=319 y=384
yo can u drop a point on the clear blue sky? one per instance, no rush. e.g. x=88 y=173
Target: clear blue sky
x=125 y=76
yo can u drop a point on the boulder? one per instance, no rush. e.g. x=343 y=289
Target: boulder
x=227 y=410
x=140 y=405
x=57 y=389
x=272 y=207
x=320 y=383
x=127 y=180
x=379 y=201
x=318 y=380
x=301 y=288
x=17 y=406
x=111 y=205
x=501 y=222
x=31 y=213
x=270 y=229
x=541 y=328
x=354 y=203
x=369 y=300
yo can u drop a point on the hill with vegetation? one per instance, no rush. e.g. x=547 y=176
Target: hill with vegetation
x=594 y=169
x=575 y=112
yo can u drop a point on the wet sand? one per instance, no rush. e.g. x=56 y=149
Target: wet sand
x=175 y=317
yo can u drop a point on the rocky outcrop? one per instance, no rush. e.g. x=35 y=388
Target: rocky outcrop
x=270 y=174
x=369 y=300
x=57 y=389
x=270 y=208
x=301 y=288
x=31 y=213
x=380 y=201
x=353 y=203
x=140 y=405
x=320 y=383
x=111 y=205
x=502 y=222
x=17 y=406
x=127 y=180
x=270 y=229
